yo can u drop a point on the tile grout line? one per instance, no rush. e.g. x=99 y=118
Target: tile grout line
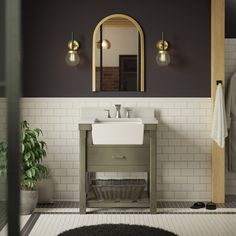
x=30 y=224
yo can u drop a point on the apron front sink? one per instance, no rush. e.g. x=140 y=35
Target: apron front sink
x=121 y=131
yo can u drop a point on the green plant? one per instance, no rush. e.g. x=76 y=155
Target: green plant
x=33 y=150
x=46 y=174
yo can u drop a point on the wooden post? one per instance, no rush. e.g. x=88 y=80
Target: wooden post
x=217 y=73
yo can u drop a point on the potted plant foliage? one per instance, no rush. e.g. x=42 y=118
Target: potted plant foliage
x=33 y=150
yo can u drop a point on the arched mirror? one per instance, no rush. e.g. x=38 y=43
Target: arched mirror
x=118 y=55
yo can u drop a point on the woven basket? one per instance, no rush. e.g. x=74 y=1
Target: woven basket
x=118 y=189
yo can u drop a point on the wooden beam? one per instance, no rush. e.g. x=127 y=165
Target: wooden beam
x=217 y=73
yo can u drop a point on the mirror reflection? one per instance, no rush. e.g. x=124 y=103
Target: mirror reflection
x=118 y=46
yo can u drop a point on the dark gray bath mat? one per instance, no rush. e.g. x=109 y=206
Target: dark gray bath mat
x=117 y=230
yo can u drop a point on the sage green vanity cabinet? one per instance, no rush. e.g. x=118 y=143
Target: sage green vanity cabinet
x=117 y=158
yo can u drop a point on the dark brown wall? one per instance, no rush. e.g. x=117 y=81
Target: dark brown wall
x=230 y=19
x=47 y=26
x=2 y=34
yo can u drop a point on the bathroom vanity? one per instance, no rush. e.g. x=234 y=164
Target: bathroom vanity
x=121 y=157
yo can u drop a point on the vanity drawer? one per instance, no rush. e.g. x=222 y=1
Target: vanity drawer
x=118 y=156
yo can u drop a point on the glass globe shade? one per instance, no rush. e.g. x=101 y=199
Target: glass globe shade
x=72 y=58
x=163 y=58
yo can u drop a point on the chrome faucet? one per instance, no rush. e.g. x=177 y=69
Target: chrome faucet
x=118 y=106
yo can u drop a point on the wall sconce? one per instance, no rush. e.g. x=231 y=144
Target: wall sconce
x=72 y=57
x=163 y=57
x=106 y=44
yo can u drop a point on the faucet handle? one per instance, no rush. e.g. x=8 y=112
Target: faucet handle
x=128 y=110
x=118 y=106
x=108 y=113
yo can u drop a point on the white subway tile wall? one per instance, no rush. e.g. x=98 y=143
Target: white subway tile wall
x=183 y=143
x=230 y=57
x=230 y=68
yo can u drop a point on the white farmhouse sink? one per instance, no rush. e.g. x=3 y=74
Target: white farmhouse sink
x=118 y=131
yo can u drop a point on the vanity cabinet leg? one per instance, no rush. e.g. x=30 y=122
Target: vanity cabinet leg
x=148 y=184
x=152 y=198
x=82 y=172
x=82 y=208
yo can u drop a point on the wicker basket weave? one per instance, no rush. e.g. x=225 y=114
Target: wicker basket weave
x=118 y=189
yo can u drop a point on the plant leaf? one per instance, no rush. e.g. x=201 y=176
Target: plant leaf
x=32 y=142
x=29 y=173
x=22 y=148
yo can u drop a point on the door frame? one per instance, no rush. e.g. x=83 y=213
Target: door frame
x=12 y=71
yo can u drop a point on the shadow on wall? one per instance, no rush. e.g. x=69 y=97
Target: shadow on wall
x=179 y=60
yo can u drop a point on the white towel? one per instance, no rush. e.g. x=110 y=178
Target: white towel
x=219 y=125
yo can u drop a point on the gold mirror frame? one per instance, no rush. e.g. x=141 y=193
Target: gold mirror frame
x=138 y=27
